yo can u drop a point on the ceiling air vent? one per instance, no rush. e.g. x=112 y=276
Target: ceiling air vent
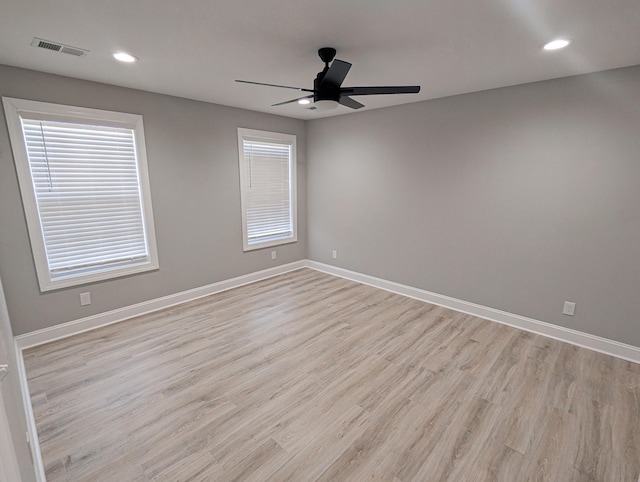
x=58 y=47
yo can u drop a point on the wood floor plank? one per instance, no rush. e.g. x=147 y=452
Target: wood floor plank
x=329 y=443
x=309 y=377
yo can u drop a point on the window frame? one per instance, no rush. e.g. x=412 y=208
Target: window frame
x=277 y=138
x=15 y=110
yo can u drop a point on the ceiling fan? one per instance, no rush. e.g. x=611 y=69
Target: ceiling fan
x=327 y=90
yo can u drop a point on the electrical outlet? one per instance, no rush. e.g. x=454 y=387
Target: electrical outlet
x=273 y=255
x=85 y=298
x=569 y=308
x=334 y=254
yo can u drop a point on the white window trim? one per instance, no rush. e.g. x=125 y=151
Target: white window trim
x=14 y=110
x=266 y=136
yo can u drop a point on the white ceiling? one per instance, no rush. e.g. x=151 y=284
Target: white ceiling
x=196 y=48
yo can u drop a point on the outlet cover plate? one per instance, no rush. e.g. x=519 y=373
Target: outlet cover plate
x=569 y=308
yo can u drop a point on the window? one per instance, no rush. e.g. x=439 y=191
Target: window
x=85 y=190
x=267 y=188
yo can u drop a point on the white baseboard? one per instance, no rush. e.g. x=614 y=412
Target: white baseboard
x=74 y=327
x=574 y=337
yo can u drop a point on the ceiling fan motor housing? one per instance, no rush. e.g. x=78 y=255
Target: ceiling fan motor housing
x=324 y=92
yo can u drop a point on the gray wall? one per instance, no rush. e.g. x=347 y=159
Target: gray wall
x=516 y=198
x=193 y=167
x=12 y=396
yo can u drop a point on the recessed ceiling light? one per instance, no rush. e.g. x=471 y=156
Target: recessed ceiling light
x=124 y=57
x=304 y=101
x=556 y=44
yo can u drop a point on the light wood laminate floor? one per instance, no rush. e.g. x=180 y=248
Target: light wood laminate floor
x=307 y=377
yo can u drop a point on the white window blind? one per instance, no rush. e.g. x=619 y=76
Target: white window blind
x=268 y=187
x=86 y=183
x=85 y=190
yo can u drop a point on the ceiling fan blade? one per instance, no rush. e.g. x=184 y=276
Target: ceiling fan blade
x=336 y=74
x=293 y=100
x=398 y=89
x=349 y=102
x=275 y=85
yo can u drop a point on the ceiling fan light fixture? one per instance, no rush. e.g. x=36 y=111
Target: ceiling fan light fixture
x=124 y=57
x=304 y=101
x=325 y=104
x=556 y=44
